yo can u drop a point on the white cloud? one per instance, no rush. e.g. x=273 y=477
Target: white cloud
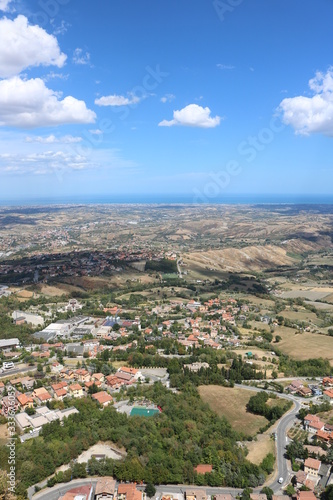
x=23 y=45
x=117 y=100
x=79 y=57
x=96 y=132
x=4 y=5
x=308 y=115
x=58 y=162
x=192 y=116
x=168 y=98
x=52 y=139
x=61 y=29
x=29 y=104
x=225 y=66
x=52 y=75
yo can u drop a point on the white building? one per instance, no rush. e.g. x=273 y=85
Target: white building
x=31 y=319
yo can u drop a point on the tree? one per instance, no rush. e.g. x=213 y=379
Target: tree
x=150 y=490
x=328 y=493
x=290 y=490
x=268 y=492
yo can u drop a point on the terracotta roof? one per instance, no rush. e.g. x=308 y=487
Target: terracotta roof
x=312 y=463
x=126 y=369
x=130 y=491
x=203 y=468
x=75 y=387
x=102 y=397
x=105 y=485
x=23 y=399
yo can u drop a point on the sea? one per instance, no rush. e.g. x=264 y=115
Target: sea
x=170 y=199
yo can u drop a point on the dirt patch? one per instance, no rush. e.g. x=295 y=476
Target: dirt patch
x=231 y=403
x=260 y=448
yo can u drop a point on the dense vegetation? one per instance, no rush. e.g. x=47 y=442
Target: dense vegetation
x=162 y=449
x=163 y=266
x=258 y=404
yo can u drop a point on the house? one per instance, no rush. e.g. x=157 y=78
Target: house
x=25 y=401
x=76 y=391
x=323 y=436
x=258 y=496
x=98 y=377
x=328 y=395
x=131 y=371
x=128 y=491
x=60 y=385
x=82 y=375
x=27 y=383
x=312 y=466
x=2 y=387
x=301 y=477
x=328 y=381
x=103 y=398
x=312 y=423
x=41 y=395
x=56 y=367
x=305 y=392
x=60 y=394
x=203 y=469
x=8 y=405
x=105 y=488
x=294 y=386
x=306 y=495
x=79 y=493
x=195 y=495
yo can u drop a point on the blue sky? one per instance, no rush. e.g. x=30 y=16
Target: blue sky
x=199 y=97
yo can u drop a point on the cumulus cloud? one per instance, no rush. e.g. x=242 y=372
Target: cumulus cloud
x=52 y=139
x=308 y=115
x=29 y=104
x=168 y=98
x=192 y=115
x=58 y=162
x=24 y=45
x=80 y=57
x=117 y=100
x=4 y=5
x=42 y=163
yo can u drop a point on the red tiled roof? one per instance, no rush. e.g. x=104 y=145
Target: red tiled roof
x=203 y=469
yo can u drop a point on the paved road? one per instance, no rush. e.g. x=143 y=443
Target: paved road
x=57 y=491
x=16 y=371
x=281 y=430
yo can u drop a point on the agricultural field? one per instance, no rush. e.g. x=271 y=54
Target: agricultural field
x=304 y=345
x=231 y=403
x=313 y=293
